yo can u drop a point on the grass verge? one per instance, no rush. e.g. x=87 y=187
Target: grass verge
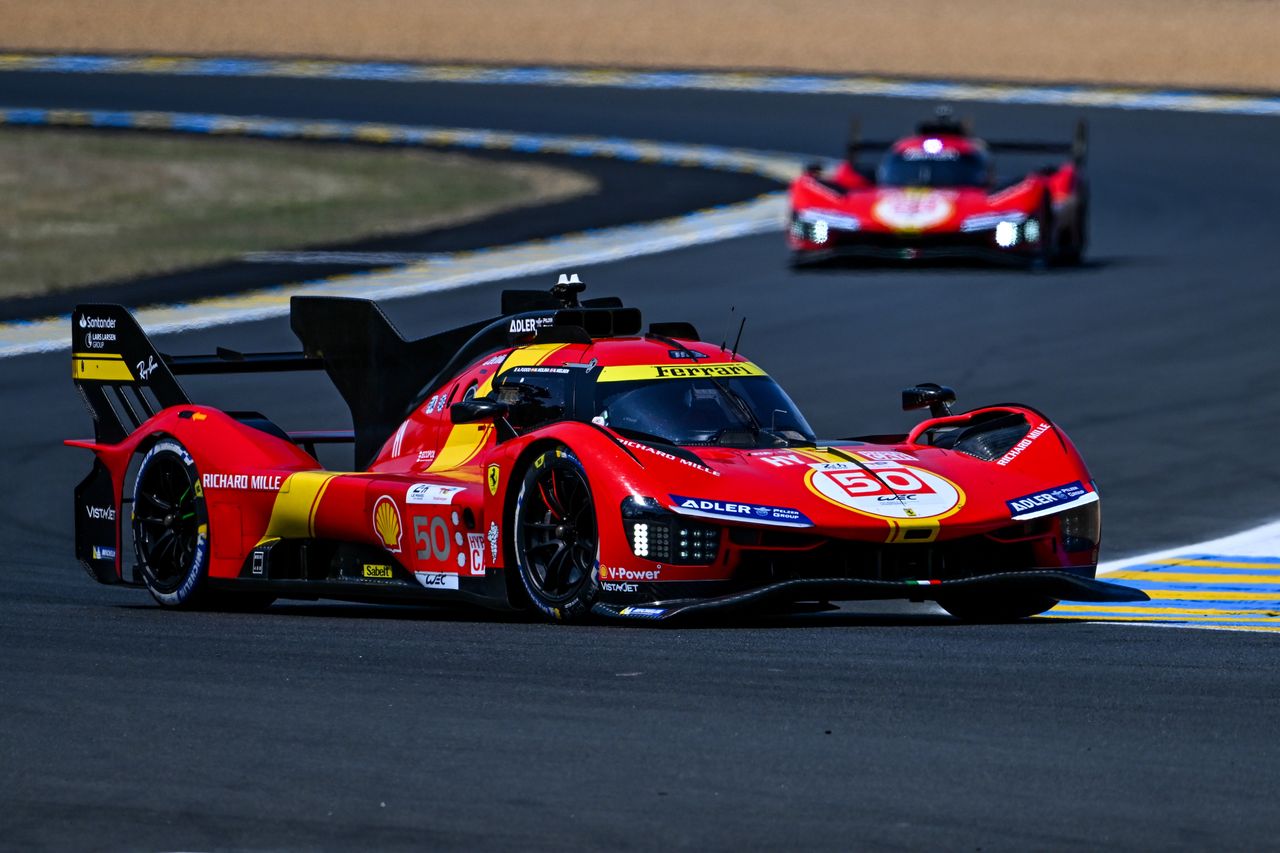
x=87 y=206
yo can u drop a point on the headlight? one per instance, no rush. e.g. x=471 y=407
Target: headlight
x=1006 y=234
x=657 y=534
x=1031 y=231
x=1081 y=528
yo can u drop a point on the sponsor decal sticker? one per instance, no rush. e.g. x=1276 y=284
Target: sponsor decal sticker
x=437 y=580
x=1015 y=451
x=670 y=457
x=493 y=540
x=521 y=325
x=885 y=489
x=102 y=552
x=759 y=513
x=493 y=475
x=386 y=523
x=1050 y=500
x=431 y=494
x=537 y=369
x=146 y=368
x=631 y=372
x=243 y=482
x=780 y=460
x=435 y=404
x=376 y=570
x=101 y=513
x=475 y=545
x=621 y=573
x=643 y=612
x=620 y=587
x=885 y=456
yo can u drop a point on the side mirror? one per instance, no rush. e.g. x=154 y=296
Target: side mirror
x=477 y=409
x=938 y=398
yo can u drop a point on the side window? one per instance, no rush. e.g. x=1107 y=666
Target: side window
x=536 y=395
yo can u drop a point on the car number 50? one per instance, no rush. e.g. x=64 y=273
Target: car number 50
x=432 y=536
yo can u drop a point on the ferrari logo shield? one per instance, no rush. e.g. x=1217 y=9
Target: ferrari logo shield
x=494 y=474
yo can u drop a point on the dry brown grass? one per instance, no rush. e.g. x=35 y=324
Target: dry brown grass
x=84 y=206
x=1201 y=43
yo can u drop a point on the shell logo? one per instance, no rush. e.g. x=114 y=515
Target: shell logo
x=386 y=523
x=914 y=210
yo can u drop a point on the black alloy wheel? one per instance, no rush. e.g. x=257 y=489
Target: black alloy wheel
x=170 y=525
x=556 y=536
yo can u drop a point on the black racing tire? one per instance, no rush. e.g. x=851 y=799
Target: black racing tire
x=1072 y=253
x=171 y=534
x=1047 y=252
x=171 y=527
x=984 y=608
x=555 y=536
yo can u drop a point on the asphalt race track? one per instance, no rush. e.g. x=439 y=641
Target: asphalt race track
x=339 y=726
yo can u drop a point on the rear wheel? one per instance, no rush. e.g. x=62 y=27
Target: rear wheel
x=1046 y=252
x=1073 y=251
x=171 y=534
x=171 y=526
x=556 y=536
x=986 y=608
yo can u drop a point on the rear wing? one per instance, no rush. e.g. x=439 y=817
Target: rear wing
x=125 y=379
x=1077 y=148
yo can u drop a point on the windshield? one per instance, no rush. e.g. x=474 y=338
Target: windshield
x=912 y=169
x=750 y=411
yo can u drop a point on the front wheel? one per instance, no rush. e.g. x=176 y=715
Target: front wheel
x=988 y=609
x=556 y=536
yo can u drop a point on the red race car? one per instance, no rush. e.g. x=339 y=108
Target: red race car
x=935 y=196
x=562 y=458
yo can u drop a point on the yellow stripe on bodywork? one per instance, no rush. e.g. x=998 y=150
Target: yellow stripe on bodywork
x=466 y=440
x=99 y=367
x=293 y=516
x=631 y=372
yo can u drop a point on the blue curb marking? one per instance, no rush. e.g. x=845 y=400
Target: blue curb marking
x=1171 y=100
x=1261 y=610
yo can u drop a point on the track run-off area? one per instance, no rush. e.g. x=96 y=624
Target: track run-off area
x=330 y=725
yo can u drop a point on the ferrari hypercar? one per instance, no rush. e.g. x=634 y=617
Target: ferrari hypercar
x=935 y=195
x=561 y=458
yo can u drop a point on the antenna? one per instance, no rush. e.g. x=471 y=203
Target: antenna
x=728 y=323
x=567 y=289
x=738 y=339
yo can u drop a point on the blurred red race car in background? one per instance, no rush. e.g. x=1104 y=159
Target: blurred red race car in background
x=934 y=195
